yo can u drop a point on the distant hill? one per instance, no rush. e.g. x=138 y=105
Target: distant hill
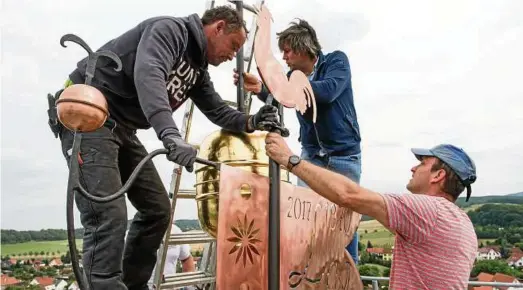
x=514 y=198
x=498 y=215
x=183 y=224
x=188 y=225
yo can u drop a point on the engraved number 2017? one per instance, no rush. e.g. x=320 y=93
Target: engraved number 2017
x=298 y=208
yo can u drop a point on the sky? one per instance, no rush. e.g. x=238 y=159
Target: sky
x=423 y=73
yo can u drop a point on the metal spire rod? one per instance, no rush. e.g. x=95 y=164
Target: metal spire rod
x=240 y=101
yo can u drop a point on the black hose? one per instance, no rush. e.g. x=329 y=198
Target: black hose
x=73 y=185
x=74 y=177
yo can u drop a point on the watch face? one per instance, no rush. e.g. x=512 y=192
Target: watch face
x=294 y=159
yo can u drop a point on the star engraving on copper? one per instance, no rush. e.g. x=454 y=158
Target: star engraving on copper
x=244 y=240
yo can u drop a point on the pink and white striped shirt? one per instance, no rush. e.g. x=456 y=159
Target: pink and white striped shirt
x=435 y=245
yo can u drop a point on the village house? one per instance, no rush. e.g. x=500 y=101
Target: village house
x=55 y=262
x=61 y=285
x=488 y=253
x=384 y=253
x=45 y=283
x=516 y=260
x=6 y=281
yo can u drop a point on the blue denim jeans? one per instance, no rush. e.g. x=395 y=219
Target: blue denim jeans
x=349 y=166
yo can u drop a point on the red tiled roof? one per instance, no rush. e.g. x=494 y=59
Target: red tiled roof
x=45 y=281
x=57 y=261
x=515 y=257
x=485 y=277
x=482 y=288
x=503 y=278
x=6 y=280
x=375 y=250
x=485 y=250
x=516 y=250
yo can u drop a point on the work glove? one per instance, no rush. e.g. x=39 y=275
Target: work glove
x=265 y=119
x=180 y=152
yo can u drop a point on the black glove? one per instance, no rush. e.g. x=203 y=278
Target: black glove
x=179 y=151
x=266 y=118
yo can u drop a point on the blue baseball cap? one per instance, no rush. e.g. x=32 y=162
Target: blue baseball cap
x=456 y=159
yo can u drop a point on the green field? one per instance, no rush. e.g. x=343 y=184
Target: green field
x=382 y=236
x=380 y=267
x=376 y=234
x=58 y=247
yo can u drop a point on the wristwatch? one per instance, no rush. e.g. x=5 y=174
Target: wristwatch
x=293 y=161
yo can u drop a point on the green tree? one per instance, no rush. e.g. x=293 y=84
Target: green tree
x=513 y=239
x=492 y=267
x=66 y=258
x=369 y=270
x=386 y=272
x=361 y=247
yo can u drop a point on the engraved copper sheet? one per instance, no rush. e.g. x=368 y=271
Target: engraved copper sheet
x=294 y=92
x=313 y=236
x=242 y=257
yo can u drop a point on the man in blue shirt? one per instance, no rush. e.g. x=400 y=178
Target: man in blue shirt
x=333 y=142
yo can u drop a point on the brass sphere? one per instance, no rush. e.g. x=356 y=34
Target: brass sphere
x=82 y=108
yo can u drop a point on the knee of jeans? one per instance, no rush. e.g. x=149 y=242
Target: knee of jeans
x=118 y=224
x=164 y=215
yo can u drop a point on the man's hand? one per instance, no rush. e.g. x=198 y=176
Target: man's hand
x=265 y=118
x=179 y=151
x=250 y=82
x=277 y=148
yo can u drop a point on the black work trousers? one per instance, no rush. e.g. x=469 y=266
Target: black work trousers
x=108 y=156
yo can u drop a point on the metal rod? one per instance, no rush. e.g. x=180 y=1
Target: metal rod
x=249 y=53
x=239 y=66
x=247 y=7
x=274 y=220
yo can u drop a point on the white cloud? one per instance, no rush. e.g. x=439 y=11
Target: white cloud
x=424 y=72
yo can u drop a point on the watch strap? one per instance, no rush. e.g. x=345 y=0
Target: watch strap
x=290 y=164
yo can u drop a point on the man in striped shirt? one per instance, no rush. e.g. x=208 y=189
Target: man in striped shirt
x=435 y=244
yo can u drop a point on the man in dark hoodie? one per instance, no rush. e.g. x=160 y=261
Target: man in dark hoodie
x=165 y=61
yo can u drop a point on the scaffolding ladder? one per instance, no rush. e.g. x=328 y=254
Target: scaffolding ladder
x=205 y=275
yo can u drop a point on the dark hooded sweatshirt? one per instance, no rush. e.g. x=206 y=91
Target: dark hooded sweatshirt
x=164 y=63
